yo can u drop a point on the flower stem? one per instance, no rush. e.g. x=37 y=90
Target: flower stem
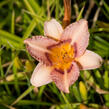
x=66 y=100
x=67 y=13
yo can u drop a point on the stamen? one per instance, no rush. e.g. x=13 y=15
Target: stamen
x=61 y=55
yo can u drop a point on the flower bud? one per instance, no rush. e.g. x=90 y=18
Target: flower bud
x=29 y=66
x=83 y=90
x=17 y=63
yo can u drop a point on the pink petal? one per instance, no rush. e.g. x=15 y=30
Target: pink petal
x=89 y=60
x=53 y=29
x=41 y=75
x=37 y=47
x=79 y=34
x=64 y=79
x=74 y=74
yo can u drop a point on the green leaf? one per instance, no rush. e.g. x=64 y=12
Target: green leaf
x=31 y=102
x=106 y=79
x=29 y=29
x=76 y=93
x=80 y=14
x=9 y=36
x=23 y=95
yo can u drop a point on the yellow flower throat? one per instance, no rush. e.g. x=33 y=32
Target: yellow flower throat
x=61 y=55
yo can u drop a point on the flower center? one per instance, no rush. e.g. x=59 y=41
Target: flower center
x=61 y=55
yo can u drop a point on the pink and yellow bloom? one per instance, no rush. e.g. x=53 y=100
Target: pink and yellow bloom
x=61 y=54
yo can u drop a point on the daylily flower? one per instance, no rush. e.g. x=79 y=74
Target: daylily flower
x=61 y=54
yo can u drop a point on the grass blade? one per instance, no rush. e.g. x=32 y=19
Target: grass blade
x=23 y=95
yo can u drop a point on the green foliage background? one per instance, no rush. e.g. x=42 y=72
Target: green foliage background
x=20 y=19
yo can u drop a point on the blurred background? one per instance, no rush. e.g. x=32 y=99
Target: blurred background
x=20 y=19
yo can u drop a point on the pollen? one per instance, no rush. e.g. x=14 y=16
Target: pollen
x=61 y=55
